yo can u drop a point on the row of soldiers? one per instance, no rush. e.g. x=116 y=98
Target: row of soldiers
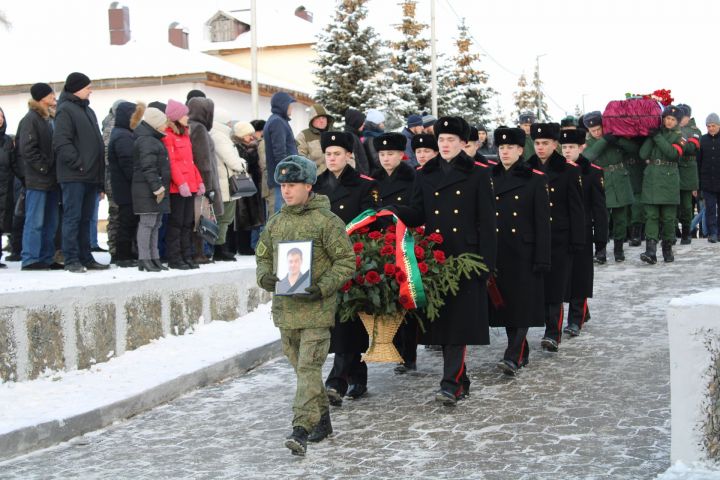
x=533 y=218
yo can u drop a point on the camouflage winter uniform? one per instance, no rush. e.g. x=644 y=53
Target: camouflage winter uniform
x=113 y=209
x=687 y=168
x=304 y=325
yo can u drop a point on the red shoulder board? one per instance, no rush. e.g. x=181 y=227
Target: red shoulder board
x=596 y=166
x=695 y=141
x=492 y=162
x=480 y=164
x=538 y=172
x=571 y=163
x=365 y=177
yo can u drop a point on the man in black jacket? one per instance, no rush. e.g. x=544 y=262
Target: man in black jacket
x=708 y=160
x=34 y=147
x=79 y=154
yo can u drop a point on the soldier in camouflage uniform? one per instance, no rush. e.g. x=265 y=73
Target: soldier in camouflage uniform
x=305 y=320
x=687 y=166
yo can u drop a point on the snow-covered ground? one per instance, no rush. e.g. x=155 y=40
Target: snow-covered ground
x=696 y=471
x=62 y=395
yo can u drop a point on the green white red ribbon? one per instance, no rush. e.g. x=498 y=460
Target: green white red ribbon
x=405 y=259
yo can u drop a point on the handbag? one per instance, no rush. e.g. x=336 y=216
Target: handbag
x=20 y=205
x=241 y=185
x=207 y=225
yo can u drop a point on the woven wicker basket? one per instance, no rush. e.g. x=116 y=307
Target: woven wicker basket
x=382 y=330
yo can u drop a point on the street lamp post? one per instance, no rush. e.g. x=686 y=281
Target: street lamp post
x=538 y=94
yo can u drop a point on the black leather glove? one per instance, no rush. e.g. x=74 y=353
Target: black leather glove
x=541 y=268
x=268 y=282
x=313 y=294
x=210 y=194
x=610 y=138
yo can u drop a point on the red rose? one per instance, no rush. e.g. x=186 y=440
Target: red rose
x=404 y=301
x=422 y=266
x=390 y=237
x=387 y=250
x=375 y=235
x=363 y=230
x=423 y=243
x=435 y=238
x=391 y=229
x=372 y=277
x=420 y=230
x=360 y=279
x=346 y=287
x=439 y=256
x=419 y=252
x=389 y=269
x=358 y=261
x=400 y=276
x=358 y=247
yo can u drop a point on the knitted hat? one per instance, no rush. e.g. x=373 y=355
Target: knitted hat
x=336 y=139
x=76 y=81
x=509 y=136
x=392 y=141
x=159 y=105
x=550 y=131
x=428 y=120
x=375 y=116
x=155 y=118
x=242 y=129
x=296 y=169
x=414 y=120
x=175 y=110
x=40 y=91
x=712 y=118
x=424 y=140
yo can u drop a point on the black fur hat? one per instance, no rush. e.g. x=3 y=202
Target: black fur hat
x=550 y=131
x=390 y=141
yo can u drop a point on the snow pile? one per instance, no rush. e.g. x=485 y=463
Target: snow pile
x=708 y=297
x=64 y=395
x=696 y=471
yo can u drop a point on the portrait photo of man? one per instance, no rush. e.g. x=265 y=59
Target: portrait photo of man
x=293 y=268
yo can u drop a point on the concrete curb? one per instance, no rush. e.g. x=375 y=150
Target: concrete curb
x=28 y=439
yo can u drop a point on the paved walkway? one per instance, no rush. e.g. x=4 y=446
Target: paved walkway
x=598 y=409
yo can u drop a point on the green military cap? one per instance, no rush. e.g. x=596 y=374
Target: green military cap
x=296 y=169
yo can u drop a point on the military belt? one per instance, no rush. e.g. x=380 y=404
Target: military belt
x=632 y=161
x=660 y=162
x=617 y=166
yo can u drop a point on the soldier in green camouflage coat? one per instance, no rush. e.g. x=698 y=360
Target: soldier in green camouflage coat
x=687 y=166
x=661 y=185
x=304 y=320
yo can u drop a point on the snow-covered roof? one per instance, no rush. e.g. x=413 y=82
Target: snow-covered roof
x=277 y=26
x=133 y=60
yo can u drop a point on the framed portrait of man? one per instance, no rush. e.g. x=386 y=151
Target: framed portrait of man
x=294 y=267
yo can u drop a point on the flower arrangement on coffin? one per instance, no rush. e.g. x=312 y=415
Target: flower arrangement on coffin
x=663 y=96
x=400 y=271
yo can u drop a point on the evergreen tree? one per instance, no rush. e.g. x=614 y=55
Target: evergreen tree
x=499 y=118
x=537 y=97
x=348 y=60
x=524 y=98
x=408 y=74
x=465 y=92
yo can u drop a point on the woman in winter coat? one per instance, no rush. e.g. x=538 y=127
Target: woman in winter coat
x=252 y=214
x=120 y=165
x=229 y=163
x=151 y=182
x=184 y=183
x=7 y=146
x=202 y=111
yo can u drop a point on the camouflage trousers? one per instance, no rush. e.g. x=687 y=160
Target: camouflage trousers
x=113 y=212
x=307 y=349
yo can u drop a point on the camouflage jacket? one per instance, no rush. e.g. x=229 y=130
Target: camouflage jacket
x=333 y=261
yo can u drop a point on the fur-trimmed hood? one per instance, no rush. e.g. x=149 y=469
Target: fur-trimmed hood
x=403 y=172
x=40 y=109
x=461 y=162
x=129 y=115
x=520 y=169
x=556 y=162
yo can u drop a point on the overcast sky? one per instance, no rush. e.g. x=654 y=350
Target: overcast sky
x=594 y=51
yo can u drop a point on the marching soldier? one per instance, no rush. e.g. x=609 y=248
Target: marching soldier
x=661 y=185
x=567 y=224
x=607 y=151
x=425 y=147
x=523 y=246
x=305 y=320
x=395 y=180
x=687 y=167
x=580 y=287
x=453 y=196
x=525 y=121
x=350 y=194
x=636 y=169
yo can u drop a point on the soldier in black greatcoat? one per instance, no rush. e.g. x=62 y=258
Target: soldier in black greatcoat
x=567 y=222
x=523 y=233
x=425 y=147
x=580 y=287
x=395 y=179
x=350 y=194
x=473 y=146
x=453 y=196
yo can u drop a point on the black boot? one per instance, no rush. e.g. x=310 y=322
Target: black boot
x=600 y=256
x=650 y=253
x=618 y=250
x=667 y=251
x=635 y=235
x=322 y=430
x=222 y=255
x=147 y=266
x=297 y=441
x=685 y=239
x=159 y=264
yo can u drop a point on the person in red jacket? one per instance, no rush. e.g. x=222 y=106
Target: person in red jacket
x=185 y=182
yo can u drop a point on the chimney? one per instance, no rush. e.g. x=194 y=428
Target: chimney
x=119 y=21
x=303 y=13
x=178 y=36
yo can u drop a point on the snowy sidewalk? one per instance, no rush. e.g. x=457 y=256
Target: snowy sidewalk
x=62 y=405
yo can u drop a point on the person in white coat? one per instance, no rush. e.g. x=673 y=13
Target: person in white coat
x=229 y=163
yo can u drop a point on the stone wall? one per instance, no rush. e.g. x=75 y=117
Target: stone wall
x=77 y=327
x=711 y=410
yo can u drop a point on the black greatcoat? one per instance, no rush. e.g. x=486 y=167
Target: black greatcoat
x=596 y=230
x=567 y=221
x=460 y=205
x=354 y=194
x=523 y=232
x=396 y=188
